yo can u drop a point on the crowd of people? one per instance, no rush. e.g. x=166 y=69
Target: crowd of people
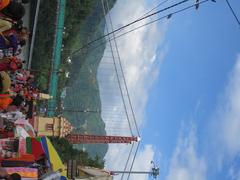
x=17 y=88
x=17 y=83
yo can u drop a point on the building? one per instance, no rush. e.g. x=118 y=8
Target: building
x=52 y=126
x=43 y=96
x=90 y=173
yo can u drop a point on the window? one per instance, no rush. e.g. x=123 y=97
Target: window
x=49 y=127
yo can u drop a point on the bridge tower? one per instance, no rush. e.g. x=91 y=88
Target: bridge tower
x=96 y=139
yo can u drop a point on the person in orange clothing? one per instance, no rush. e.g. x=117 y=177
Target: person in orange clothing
x=4 y=3
x=5 y=101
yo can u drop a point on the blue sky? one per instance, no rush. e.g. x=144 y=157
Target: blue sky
x=183 y=77
x=203 y=47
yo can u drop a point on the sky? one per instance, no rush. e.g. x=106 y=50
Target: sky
x=183 y=76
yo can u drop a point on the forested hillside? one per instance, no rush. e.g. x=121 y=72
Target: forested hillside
x=84 y=21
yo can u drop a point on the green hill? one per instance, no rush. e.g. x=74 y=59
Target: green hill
x=84 y=21
x=82 y=87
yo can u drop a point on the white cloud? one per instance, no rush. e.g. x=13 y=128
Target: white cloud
x=225 y=127
x=185 y=163
x=223 y=145
x=143 y=162
x=229 y=113
x=142 y=53
x=138 y=52
x=120 y=155
x=234 y=173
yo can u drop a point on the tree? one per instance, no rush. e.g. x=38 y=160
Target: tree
x=67 y=152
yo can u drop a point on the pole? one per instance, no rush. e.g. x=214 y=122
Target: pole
x=154 y=173
x=131 y=172
x=33 y=35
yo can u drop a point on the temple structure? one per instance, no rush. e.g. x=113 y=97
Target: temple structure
x=52 y=126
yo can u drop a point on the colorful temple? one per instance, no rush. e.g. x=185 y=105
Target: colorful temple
x=52 y=126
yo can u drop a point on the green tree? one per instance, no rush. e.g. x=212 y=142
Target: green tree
x=67 y=152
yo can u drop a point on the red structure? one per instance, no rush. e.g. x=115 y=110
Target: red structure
x=95 y=139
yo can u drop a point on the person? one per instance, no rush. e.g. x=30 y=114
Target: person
x=11 y=64
x=13 y=115
x=17 y=27
x=25 y=1
x=52 y=175
x=22 y=1
x=14 y=10
x=5 y=101
x=23 y=33
x=5 y=82
x=3 y=173
x=14 y=176
x=11 y=44
x=5 y=25
x=18 y=100
x=8 y=45
x=4 y=3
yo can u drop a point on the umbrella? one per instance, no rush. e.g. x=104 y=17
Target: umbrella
x=53 y=156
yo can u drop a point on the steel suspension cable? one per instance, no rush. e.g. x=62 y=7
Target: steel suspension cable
x=119 y=84
x=129 y=155
x=121 y=68
x=134 y=157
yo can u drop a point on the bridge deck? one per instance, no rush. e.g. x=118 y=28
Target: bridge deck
x=53 y=86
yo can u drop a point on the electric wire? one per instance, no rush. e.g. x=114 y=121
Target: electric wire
x=149 y=23
x=234 y=14
x=157 y=6
x=129 y=24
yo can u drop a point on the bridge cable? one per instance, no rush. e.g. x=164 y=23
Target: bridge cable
x=118 y=79
x=129 y=24
x=151 y=22
x=121 y=69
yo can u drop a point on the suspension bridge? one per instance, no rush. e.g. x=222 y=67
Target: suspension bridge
x=108 y=78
